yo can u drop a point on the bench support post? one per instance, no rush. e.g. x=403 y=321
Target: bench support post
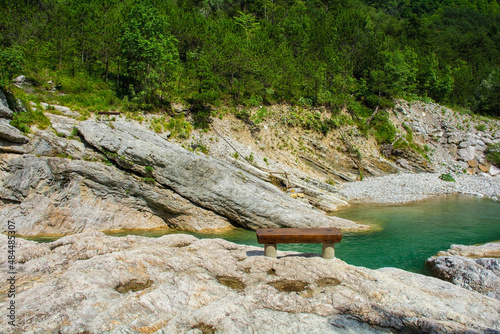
x=328 y=251
x=270 y=250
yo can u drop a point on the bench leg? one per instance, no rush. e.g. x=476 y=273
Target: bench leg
x=328 y=251
x=270 y=250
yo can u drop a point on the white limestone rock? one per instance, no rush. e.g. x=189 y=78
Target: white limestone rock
x=10 y=133
x=45 y=196
x=476 y=268
x=95 y=283
x=210 y=183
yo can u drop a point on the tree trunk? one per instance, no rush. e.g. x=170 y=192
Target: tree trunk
x=372 y=116
x=118 y=75
x=107 y=65
x=375 y=111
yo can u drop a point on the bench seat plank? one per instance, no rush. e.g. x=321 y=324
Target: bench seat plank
x=108 y=113
x=298 y=235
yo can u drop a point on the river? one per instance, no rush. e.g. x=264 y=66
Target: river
x=403 y=236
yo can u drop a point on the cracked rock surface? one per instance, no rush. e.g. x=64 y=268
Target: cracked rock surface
x=95 y=283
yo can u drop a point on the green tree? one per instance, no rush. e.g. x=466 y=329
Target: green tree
x=397 y=74
x=489 y=94
x=11 y=65
x=149 y=52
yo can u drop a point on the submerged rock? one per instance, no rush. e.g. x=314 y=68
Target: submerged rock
x=95 y=283
x=210 y=183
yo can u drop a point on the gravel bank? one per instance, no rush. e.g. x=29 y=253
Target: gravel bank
x=405 y=188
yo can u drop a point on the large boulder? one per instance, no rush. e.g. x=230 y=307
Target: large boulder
x=481 y=275
x=210 y=183
x=467 y=154
x=46 y=196
x=10 y=133
x=475 y=268
x=92 y=283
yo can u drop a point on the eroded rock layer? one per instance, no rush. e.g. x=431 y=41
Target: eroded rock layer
x=208 y=182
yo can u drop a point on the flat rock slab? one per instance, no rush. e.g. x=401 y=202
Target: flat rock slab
x=65 y=110
x=485 y=168
x=5 y=112
x=494 y=170
x=93 y=283
x=210 y=183
x=473 y=163
x=62 y=124
x=475 y=268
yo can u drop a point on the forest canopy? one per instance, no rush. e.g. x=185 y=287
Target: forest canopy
x=332 y=53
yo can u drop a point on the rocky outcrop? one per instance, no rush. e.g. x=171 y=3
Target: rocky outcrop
x=95 y=283
x=453 y=139
x=45 y=196
x=63 y=125
x=5 y=112
x=208 y=182
x=10 y=133
x=475 y=268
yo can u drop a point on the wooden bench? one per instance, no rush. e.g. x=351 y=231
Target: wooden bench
x=270 y=237
x=108 y=113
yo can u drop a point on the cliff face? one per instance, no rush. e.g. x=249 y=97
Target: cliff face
x=95 y=283
x=46 y=195
x=208 y=182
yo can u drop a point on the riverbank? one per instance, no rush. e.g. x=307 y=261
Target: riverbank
x=405 y=188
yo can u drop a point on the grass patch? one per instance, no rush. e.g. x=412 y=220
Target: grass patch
x=383 y=129
x=447 y=177
x=179 y=127
x=25 y=119
x=149 y=180
x=480 y=127
x=493 y=154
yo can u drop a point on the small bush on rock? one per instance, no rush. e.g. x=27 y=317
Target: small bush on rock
x=493 y=154
x=447 y=177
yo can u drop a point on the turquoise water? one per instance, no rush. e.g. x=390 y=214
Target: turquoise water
x=404 y=236
x=412 y=233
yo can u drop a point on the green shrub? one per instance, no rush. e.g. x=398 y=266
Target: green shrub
x=148 y=169
x=243 y=114
x=201 y=147
x=200 y=114
x=384 y=130
x=179 y=127
x=148 y=180
x=250 y=158
x=74 y=133
x=24 y=120
x=493 y=154
x=447 y=177
x=260 y=115
x=481 y=127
